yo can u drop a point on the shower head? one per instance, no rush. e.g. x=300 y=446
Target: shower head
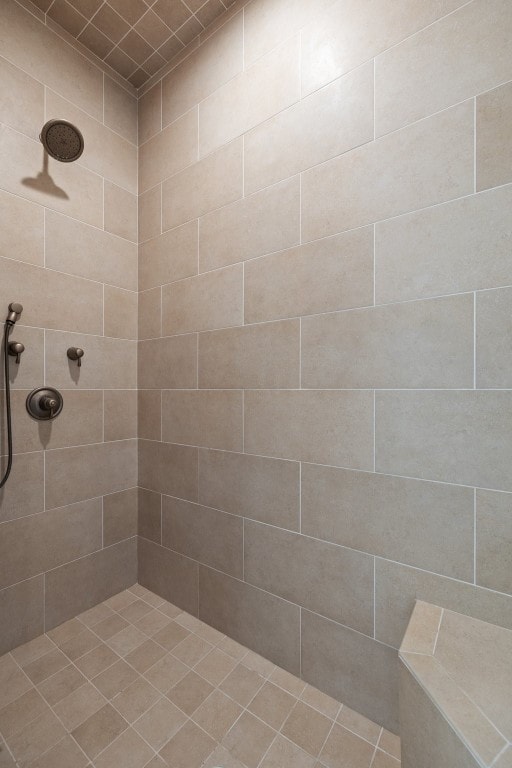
x=15 y=311
x=62 y=140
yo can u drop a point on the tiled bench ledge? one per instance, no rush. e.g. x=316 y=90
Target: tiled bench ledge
x=455 y=691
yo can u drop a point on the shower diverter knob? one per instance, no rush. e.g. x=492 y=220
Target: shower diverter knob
x=44 y=403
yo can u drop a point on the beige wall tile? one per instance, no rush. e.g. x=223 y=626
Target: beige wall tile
x=172 y=576
x=262 y=223
x=324 y=427
x=351 y=667
x=120 y=313
x=452 y=60
x=209 y=418
x=262 y=622
x=148 y=414
x=21 y=230
x=150 y=113
x=168 y=257
x=42 y=542
x=257 y=93
x=150 y=515
x=120 y=417
x=169 y=151
x=22 y=607
x=493 y=152
x=457 y=437
x=77 y=586
x=333 y=581
x=150 y=213
x=35 y=48
x=348 y=34
x=428 y=525
x=21 y=100
x=211 y=183
x=106 y=364
x=168 y=363
x=493 y=326
x=329 y=122
x=257 y=356
x=40 y=292
x=120 y=212
x=398 y=587
x=427 y=163
x=120 y=516
x=150 y=314
x=424 y=344
x=494 y=541
x=70 y=188
x=170 y=469
x=213 y=538
x=335 y=273
x=72 y=474
x=212 y=65
x=24 y=493
x=251 y=486
x=76 y=248
x=120 y=110
x=445 y=249
x=212 y=300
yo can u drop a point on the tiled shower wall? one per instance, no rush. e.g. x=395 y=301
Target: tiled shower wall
x=68 y=253
x=325 y=363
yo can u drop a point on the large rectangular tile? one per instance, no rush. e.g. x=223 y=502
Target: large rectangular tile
x=72 y=474
x=458 y=437
x=168 y=363
x=454 y=59
x=324 y=427
x=259 y=92
x=215 y=181
x=119 y=414
x=262 y=622
x=168 y=257
x=493 y=152
x=331 y=580
x=120 y=110
x=325 y=124
x=149 y=317
x=150 y=515
x=428 y=525
x=24 y=493
x=70 y=188
x=262 y=489
x=493 y=327
x=75 y=587
x=169 y=151
x=494 y=540
x=41 y=542
x=398 y=587
x=22 y=609
x=352 y=668
x=349 y=33
x=170 y=469
x=150 y=213
x=205 y=70
x=150 y=113
x=207 y=535
x=207 y=418
x=75 y=248
x=21 y=229
x=252 y=356
x=419 y=344
x=445 y=249
x=148 y=414
x=421 y=165
x=107 y=363
x=169 y=575
x=120 y=516
x=120 y=313
x=21 y=100
x=120 y=212
x=335 y=273
x=262 y=223
x=212 y=300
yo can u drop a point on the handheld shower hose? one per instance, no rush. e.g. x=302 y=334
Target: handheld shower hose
x=15 y=311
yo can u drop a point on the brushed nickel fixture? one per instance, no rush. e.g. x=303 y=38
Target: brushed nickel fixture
x=62 y=140
x=45 y=403
x=75 y=353
x=13 y=315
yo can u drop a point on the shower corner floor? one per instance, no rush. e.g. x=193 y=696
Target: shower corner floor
x=137 y=682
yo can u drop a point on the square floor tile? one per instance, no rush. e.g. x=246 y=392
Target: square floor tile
x=190 y=692
x=127 y=751
x=307 y=728
x=242 y=684
x=79 y=705
x=272 y=704
x=98 y=731
x=215 y=666
x=344 y=748
x=249 y=739
x=188 y=748
x=136 y=699
x=115 y=679
x=160 y=723
x=217 y=714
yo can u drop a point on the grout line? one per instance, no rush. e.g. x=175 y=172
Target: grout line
x=438 y=631
x=474 y=145
x=474 y=340
x=474 y=538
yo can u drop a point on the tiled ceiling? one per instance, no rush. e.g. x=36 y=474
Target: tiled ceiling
x=135 y=37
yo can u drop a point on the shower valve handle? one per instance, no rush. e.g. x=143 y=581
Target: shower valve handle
x=15 y=350
x=75 y=353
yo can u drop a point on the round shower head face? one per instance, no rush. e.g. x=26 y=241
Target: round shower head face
x=62 y=140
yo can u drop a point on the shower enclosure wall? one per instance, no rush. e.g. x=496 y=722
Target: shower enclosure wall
x=324 y=367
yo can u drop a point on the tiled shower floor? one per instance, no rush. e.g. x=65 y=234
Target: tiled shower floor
x=136 y=682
